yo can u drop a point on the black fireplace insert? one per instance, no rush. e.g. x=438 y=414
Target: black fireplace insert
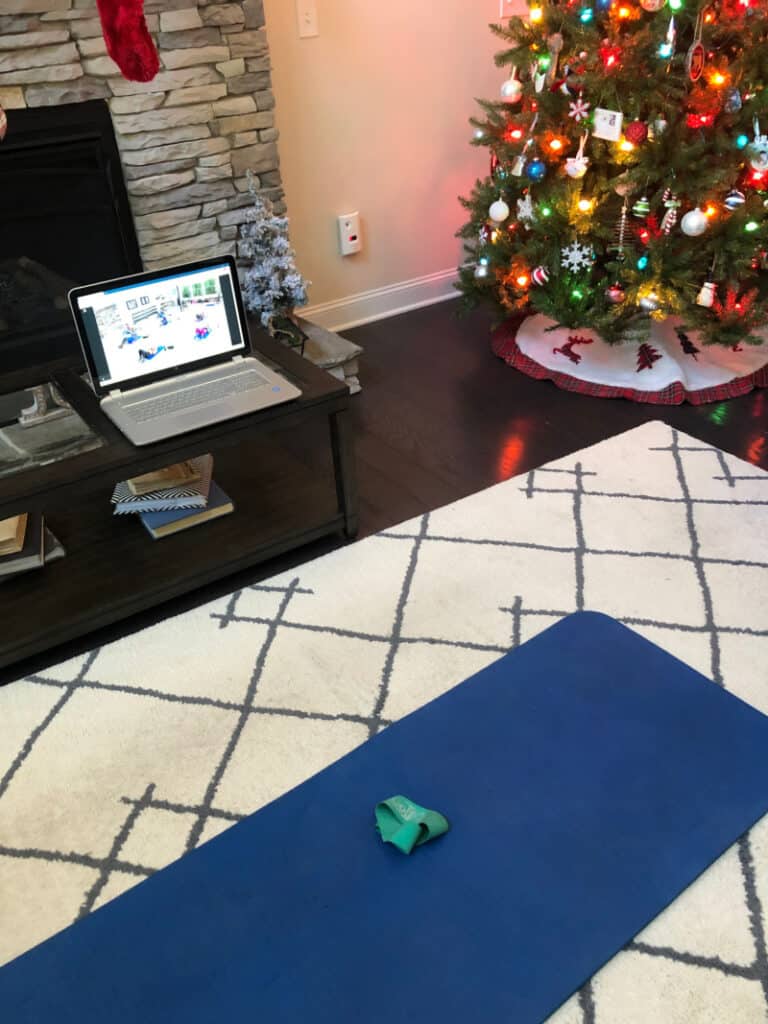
x=64 y=221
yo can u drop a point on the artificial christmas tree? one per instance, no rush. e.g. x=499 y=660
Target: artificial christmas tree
x=272 y=285
x=628 y=184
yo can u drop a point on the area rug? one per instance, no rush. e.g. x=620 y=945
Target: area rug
x=116 y=763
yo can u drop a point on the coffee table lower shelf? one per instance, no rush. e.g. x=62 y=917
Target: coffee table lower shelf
x=114 y=569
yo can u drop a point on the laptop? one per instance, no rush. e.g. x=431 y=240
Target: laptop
x=168 y=351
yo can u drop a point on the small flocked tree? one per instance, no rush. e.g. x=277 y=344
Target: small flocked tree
x=628 y=168
x=272 y=285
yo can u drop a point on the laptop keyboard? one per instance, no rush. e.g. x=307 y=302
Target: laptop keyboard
x=194 y=396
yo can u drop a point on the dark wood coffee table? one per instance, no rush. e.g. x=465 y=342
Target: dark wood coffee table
x=113 y=568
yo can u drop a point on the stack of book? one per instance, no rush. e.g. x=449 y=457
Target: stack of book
x=26 y=543
x=173 y=498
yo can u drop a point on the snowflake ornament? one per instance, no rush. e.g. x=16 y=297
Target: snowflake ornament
x=578 y=110
x=576 y=256
x=525 y=212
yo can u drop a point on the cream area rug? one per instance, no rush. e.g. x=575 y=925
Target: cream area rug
x=116 y=763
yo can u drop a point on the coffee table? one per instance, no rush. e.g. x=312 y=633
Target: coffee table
x=289 y=470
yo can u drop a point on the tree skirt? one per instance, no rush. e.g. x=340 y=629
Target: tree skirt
x=671 y=367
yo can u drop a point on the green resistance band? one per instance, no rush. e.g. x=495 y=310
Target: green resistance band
x=407 y=825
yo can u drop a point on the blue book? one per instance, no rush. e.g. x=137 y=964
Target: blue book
x=163 y=524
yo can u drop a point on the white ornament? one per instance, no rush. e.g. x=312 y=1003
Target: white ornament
x=706 y=296
x=525 y=210
x=576 y=166
x=578 y=110
x=512 y=89
x=607 y=124
x=576 y=256
x=694 y=223
x=499 y=211
x=758 y=150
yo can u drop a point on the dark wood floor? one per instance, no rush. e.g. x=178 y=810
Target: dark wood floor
x=440 y=417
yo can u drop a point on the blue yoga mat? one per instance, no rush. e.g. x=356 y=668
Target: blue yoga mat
x=589 y=778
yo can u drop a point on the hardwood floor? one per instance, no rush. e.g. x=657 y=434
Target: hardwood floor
x=440 y=417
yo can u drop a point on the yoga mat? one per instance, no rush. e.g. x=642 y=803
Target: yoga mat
x=588 y=777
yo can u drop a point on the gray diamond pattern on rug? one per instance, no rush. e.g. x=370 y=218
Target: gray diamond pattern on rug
x=116 y=763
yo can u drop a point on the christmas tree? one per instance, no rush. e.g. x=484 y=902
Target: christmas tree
x=272 y=285
x=628 y=168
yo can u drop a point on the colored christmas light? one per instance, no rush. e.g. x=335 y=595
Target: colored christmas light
x=624 y=12
x=718 y=79
x=642 y=263
x=675 y=5
x=535 y=14
x=577 y=294
x=710 y=210
x=751 y=225
x=522 y=280
x=626 y=146
x=586 y=15
x=585 y=205
x=546 y=211
x=666 y=50
x=741 y=141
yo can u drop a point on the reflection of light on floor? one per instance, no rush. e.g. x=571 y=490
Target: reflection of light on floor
x=719 y=414
x=510 y=457
x=756 y=449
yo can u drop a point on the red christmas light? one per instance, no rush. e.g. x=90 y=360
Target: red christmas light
x=610 y=56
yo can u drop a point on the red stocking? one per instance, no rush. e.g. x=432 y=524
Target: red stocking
x=129 y=43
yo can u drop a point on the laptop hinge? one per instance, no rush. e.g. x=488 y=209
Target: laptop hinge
x=237 y=359
x=115 y=393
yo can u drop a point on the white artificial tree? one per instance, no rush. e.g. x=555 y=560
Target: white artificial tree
x=272 y=285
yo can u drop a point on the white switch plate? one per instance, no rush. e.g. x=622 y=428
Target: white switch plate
x=306 y=12
x=350 y=241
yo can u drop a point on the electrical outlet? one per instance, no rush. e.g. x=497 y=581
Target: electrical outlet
x=306 y=12
x=350 y=241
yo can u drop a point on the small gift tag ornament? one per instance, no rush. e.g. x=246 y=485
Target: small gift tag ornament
x=607 y=124
x=758 y=150
x=576 y=166
x=706 y=296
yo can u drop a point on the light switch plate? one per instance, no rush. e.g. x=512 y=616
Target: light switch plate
x=306 y=12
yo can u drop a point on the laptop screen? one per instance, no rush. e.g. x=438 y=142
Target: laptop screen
x=169 y=321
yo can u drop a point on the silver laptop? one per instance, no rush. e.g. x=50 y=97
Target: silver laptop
x=169 y=351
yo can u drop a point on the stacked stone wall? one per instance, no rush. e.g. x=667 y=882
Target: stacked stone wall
x=188 y=138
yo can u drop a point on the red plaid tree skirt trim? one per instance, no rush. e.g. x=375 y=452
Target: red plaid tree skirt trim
x=504 y=345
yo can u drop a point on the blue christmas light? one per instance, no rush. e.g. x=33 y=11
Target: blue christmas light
x=665 y=50
x=603 y=5
x=741 y=141
x=586 y=15
x=484 y=261
x=642 y=263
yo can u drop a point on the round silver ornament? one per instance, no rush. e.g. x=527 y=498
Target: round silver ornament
x=694 y=223
x=499 y=211
x=649 y=303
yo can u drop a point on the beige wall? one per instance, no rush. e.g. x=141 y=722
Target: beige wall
x=373 y=116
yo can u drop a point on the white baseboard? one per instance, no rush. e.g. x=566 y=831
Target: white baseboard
x=383 y=302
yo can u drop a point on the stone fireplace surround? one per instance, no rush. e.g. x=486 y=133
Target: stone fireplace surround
x=188 y=138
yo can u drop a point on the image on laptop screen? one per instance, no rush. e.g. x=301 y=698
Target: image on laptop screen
x=135 y=330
